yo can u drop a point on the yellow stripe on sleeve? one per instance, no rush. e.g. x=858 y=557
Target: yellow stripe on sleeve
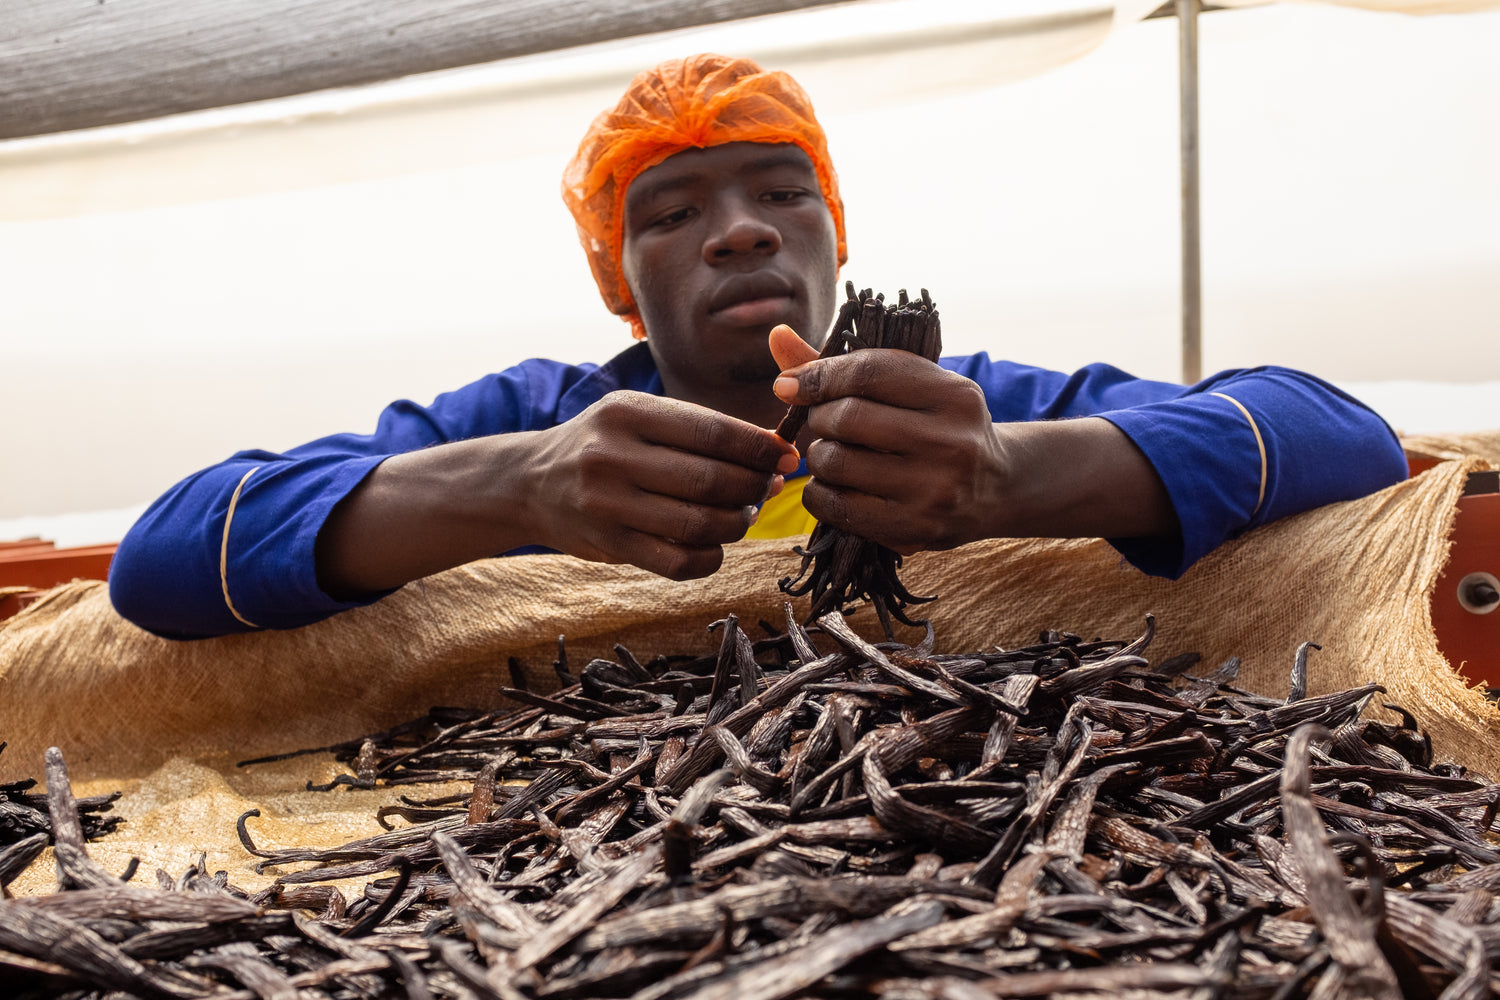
x=234 y=502
x=1259 y=443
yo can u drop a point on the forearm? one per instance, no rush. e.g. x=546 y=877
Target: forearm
x=233 y=548
x=426 y=511
x=230 y=549
x=268 y=541
x=635 y=479
x=911 y=456
x=1073 y=479
x=914 y=457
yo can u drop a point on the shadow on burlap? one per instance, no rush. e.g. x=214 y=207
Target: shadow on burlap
x=134 y=711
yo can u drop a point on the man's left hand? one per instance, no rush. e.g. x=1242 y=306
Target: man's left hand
x=902 y=452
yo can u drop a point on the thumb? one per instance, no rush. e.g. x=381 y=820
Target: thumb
x=790 y=350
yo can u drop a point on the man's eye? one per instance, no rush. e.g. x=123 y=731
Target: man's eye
x=785 y=194
x=671 y=218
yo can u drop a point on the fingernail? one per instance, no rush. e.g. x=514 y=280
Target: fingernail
x=752 y=514
x=787 y=464
x=777 y=484
x=785 y=388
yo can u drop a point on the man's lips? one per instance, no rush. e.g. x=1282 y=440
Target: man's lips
x=752 y=299
x=755 y=312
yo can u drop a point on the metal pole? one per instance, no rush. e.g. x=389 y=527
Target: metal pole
x=1192 y=281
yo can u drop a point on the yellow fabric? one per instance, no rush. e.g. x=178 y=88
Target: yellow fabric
x=698 y=102
x=783 y=515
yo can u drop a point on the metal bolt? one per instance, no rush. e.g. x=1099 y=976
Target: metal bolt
x=1479 y=593
x=1482 y=594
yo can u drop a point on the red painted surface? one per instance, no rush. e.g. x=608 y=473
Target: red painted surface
x=1469 y=640
x=37 y=565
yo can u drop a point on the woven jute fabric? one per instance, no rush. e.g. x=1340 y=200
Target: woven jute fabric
x=1478 y=444
x=1354 y=577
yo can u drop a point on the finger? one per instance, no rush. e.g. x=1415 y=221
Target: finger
x=651 y=501
x=898 y=378
x=698 y=430
x=695 y=479
x=871 y=425
x=878 y=474
x=789 y=349
x=641 y=529
x=665 y=557
x=690 y=524
x=846 y=509
x=872 y=517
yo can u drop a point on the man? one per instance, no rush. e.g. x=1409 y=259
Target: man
x=709 y=211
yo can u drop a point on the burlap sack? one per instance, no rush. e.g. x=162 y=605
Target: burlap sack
x=1448 y=447
x=1355 y=577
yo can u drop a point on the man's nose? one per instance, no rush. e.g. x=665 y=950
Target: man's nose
x=741 y=232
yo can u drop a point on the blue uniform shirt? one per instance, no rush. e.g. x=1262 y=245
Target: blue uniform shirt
x=1236 y=450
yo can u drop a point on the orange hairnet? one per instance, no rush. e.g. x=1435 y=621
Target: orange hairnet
x=701 y=101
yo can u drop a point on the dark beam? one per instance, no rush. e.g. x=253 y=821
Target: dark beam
x=72 y=64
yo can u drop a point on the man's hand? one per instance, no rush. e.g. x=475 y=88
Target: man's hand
x=904 y=452
x=655 y=482
x=635 y=478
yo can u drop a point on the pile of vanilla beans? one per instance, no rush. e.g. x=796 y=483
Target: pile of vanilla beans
x=804 y=814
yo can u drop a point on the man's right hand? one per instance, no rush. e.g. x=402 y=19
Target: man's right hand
x=655 y=482
x=635 y=478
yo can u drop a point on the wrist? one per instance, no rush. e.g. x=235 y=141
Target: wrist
x=483 y=495
x=1011 y=510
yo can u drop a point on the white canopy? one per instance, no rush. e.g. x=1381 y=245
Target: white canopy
x=66 y=66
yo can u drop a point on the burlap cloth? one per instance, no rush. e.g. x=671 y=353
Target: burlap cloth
x=166 y=721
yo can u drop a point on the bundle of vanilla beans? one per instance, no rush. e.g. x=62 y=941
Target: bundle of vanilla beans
x=839 y=567
x=804 y=814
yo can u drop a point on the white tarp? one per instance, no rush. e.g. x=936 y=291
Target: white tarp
x=260 y=276
x=868 y=54
x=856 y=57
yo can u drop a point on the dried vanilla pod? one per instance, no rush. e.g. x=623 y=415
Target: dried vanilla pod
x=845 y=567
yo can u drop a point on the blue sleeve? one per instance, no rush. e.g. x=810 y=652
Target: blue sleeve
x=1239 y=449
x=179 y=574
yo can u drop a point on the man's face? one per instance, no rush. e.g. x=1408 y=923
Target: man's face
x=722 y=244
